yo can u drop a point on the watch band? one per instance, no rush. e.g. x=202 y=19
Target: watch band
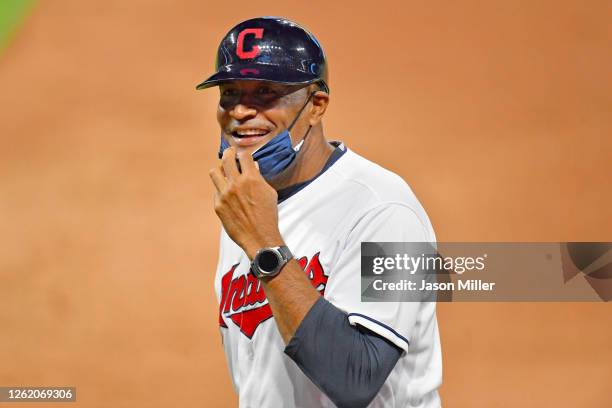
x=285 y=252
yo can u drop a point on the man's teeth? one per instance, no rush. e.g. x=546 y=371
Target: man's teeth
x=251 y=132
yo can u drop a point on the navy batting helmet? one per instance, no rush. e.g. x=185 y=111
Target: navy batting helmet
x=269 y=49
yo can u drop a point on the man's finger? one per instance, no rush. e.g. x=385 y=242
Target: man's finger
x=247 y=164
x=218 y=178
x=229 y=163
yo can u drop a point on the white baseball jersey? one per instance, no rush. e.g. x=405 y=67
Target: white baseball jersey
x=324 y=224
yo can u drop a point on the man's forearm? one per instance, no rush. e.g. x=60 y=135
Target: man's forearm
x=290 y=295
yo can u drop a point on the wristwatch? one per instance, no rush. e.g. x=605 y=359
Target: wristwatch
x=268 y=262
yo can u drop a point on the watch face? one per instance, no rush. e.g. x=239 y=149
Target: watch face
x=267 y=261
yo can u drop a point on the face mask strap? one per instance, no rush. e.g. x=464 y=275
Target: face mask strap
x=299 y=145
x=301 y=142
x=301 y=109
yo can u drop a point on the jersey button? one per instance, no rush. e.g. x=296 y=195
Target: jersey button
x=250 y=352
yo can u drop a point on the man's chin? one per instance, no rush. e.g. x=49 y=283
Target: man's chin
x=246 y=150
x=250 y=148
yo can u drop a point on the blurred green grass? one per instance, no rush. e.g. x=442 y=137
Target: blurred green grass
x=12 y=14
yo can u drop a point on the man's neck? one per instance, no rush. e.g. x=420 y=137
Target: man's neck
x=309 y=162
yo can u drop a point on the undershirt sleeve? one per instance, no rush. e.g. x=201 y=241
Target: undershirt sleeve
x=349 y=363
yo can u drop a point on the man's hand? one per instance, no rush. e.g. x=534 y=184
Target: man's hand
x=245 y=203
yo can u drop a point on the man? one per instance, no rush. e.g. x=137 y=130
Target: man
x=295 y=209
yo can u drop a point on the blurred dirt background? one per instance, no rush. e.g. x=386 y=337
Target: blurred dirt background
x=498 y=114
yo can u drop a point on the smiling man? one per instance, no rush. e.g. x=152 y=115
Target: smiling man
x=295 y=209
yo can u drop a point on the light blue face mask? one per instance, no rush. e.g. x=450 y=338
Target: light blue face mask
x=278 y=153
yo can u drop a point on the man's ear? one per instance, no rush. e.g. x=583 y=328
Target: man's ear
x=320 y=100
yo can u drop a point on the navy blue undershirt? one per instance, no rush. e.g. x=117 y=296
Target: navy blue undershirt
x=348 y=363
x=285 y=193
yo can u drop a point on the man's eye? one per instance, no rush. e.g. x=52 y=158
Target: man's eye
x=230 y=92
x=264 y=90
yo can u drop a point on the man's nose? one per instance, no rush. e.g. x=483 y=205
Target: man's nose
x=242 y=111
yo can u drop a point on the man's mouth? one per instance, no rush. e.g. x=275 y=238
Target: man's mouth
x=248 y=137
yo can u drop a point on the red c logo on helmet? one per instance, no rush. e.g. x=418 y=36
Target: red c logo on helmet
x=258 y=33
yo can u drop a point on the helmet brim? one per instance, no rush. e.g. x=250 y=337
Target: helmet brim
x=260 y=72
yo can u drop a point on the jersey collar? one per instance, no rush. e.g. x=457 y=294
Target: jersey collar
x=287 y=192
